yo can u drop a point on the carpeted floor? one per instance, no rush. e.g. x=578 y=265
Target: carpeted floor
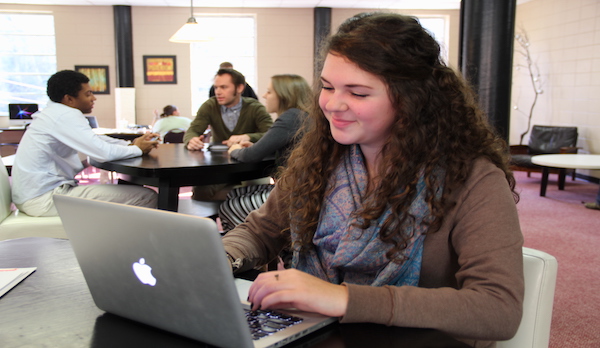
x=560 y=225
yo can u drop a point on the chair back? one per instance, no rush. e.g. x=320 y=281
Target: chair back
x=92 y=121
x=549 y=139
x=5 y=193
x=540 y=271
x=174 y=136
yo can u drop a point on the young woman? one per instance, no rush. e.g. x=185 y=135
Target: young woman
x=170 y=120
x=289 y=96
x=397 y=202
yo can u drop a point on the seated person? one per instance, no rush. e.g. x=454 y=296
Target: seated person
x=397 y=202
x=47 y=158
x=594 y=205
x=232 y=118
x=289 y=96
x=170 y=120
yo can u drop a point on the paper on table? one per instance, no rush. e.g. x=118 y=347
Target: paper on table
x=10 y=277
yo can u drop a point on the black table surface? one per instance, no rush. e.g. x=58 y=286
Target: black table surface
x=124 y=136
x=53 y=308
x=171 y=166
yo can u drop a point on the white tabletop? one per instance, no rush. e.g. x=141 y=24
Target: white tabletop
x=580 y=161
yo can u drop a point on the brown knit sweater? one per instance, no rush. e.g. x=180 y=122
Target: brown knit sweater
x=471 y=283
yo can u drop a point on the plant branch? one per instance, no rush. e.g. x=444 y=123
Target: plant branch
x=534 y=75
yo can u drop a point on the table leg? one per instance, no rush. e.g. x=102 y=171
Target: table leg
x=562 y=174
x=545 y=172
x=168 y=196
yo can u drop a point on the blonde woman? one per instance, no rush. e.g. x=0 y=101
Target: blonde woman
x=288 y=96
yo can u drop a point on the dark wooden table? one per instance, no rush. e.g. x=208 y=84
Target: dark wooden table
x=124 y=136
x=171 y=166
x=53 y=308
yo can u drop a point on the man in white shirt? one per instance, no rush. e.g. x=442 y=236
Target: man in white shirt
x=47 y=158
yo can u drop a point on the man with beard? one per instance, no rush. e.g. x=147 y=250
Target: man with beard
x=232 y=118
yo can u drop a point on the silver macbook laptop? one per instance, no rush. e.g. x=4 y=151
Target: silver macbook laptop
x=170 y=271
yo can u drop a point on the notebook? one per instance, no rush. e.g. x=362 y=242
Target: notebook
x=11 y=277
x=170 y=271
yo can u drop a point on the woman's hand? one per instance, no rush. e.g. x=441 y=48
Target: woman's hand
x=236 y=139
x=234 y=147
x=295 y=289
x=246 y=143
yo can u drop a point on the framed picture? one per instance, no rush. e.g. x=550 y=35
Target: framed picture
x=98 y=75
x=160 y=70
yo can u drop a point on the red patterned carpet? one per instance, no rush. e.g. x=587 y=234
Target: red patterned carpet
x=560 y=225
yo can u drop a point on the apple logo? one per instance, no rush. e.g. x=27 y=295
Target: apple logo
x=144 y=272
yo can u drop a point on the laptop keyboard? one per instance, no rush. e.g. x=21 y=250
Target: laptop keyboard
x=266 y=322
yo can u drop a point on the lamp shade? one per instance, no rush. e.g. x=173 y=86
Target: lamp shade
x=189 y=32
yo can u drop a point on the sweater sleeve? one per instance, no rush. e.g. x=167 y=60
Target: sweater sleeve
x=261 y=119
x=486 y=304
x=260 y=238
x=200 y=123
x=278 y=136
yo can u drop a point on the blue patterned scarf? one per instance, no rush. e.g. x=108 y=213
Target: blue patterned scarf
x=346 y=253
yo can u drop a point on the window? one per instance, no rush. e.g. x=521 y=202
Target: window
x=27 y=57
x=438 y=28
x=234 y=40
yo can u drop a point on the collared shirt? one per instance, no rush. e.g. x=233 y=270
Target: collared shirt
x=231 y=115
x=47 y=156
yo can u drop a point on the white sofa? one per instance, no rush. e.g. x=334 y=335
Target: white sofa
x=14 y=224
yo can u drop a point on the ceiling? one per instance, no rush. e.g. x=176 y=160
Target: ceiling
x=383 y=4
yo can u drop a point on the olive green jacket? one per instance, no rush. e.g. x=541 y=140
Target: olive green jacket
x=254 y=120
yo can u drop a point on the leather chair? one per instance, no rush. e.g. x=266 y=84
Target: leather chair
x=15 y=224
x=544 y=140
x=540 y=271
x=174 y=136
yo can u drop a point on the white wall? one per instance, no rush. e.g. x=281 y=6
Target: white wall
x=565 y=42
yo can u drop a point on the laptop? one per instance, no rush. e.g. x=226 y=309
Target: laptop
x=170 y=271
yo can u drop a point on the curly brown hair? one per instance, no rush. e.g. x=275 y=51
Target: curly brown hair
x=438 y=125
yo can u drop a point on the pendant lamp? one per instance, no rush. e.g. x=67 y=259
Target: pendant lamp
x=190 y=31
